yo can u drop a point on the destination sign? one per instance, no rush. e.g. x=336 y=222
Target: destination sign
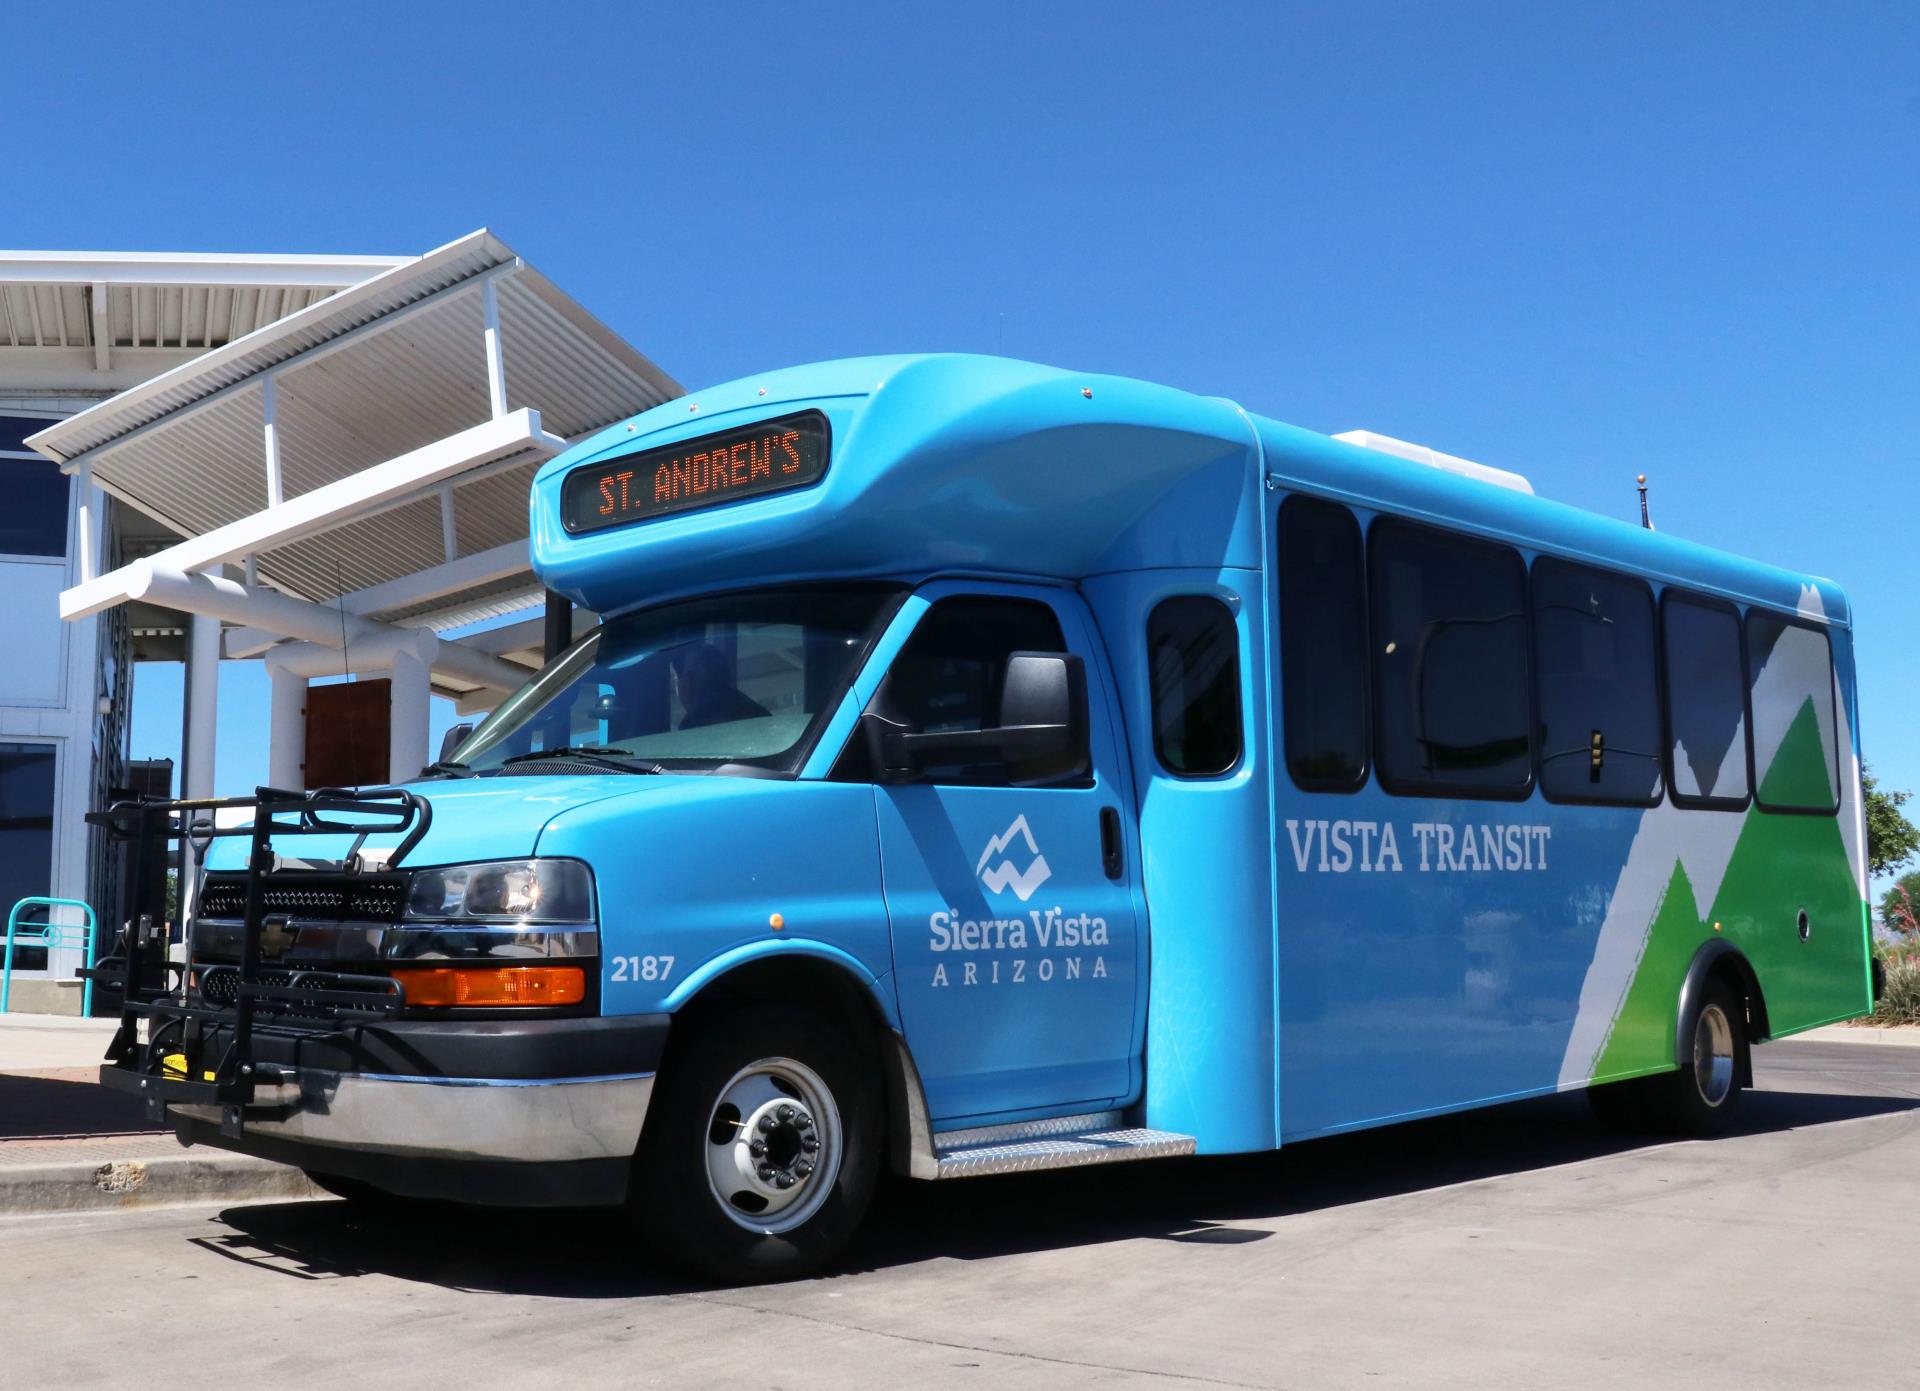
x=769 y=456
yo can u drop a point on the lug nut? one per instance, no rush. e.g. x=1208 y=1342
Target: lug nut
x=786 y=1113
x=784 y=1181
x=766 y=1123
x=809 y=1143
x=765 y=1171
x=803 y=1167
x=757 y=1148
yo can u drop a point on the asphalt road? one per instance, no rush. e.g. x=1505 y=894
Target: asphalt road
x=1519 y=1247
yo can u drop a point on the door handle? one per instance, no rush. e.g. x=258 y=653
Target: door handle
x=1112 y=845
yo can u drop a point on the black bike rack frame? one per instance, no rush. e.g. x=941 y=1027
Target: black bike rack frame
x=168 y=1065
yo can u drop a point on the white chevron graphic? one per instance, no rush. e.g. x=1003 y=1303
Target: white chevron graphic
x=1004 y=876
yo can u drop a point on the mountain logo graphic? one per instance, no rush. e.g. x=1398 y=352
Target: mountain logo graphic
x=1002 y=876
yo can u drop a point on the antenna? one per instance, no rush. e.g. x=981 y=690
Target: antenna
x=1645 y=520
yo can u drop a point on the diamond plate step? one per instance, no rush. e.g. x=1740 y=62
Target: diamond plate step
x=1101 y=1137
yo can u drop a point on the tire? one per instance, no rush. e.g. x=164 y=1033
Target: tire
x=1702 y=1098
x=808 y=1099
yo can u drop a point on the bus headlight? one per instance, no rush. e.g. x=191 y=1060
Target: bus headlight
x=504 y=891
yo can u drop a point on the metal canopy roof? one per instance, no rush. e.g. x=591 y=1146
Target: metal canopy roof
x=365 y=375
x=94 y=320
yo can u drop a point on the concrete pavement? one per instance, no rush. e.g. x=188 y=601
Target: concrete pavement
x=67 y=1143
x=1518 y=1247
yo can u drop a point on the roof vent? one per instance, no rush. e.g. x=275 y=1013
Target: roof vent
x=1433 y=458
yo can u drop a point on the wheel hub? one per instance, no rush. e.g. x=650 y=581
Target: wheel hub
x=1713 y=1055
x=773 y=1145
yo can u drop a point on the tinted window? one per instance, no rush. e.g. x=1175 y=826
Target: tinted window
x=14 y=430
x=1194 y=654
x=1790 y=681
x=26 y=835
x=1706 y=702
x=1593 y=641
x=34 y=520
x=948 y=677
x=1451 y=698
x=1323 y=640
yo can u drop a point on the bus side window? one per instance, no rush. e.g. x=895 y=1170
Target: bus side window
x=1323 y=640
x=1193 y=655
x=1795 y=734
x=1452 y=704
x=1706 y=702
x=1599 y=702
x=948 y=677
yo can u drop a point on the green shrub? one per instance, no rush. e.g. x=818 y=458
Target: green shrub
x=1901 y=1002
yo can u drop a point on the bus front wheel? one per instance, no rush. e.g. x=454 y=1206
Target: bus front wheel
x=760 y=1150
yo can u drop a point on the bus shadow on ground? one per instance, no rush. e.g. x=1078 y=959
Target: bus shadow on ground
x=66 y=1104
x=590 y=1255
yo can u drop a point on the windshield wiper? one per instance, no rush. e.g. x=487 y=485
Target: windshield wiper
x=601 y=755
x=447 y=768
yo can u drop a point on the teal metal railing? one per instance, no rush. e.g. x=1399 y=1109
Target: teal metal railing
x=50 y=935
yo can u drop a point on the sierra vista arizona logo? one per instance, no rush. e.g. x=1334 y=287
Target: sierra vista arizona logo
x=1036 y=944
x=1002 y=875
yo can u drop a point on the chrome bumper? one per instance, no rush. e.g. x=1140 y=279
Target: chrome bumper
x=457 y=1118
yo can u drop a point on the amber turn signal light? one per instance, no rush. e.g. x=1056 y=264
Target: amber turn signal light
x=492 y=987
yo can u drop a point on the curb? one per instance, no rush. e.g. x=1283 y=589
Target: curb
x=141 y=1180
x=1859 y=1033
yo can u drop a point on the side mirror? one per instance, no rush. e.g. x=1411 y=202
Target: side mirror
x=1041 y=737
x=453 y=739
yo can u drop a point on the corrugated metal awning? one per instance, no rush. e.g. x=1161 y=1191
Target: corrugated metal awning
x=355 y=379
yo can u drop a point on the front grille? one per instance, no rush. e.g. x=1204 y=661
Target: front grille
x=334 y=897
x=293 y=993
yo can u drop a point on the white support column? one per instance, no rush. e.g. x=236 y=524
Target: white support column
x=270 y=424
x=496 y=365
x=202 y=698
x=449 y=531
x=287 y=728
x=84 y=514
x=412 y=699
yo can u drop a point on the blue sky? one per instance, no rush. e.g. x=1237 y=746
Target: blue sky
x=1577 y=241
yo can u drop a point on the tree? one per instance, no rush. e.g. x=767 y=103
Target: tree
x=1891 y=838
x=1900 y=909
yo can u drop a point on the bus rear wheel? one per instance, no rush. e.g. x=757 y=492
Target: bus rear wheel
x=1703 y=1094
x=1700 y=1097
x=760 y=1151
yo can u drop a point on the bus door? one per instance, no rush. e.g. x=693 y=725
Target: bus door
x=1016 y=948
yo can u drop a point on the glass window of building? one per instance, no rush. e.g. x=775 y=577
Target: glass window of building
x=34 y=520
x=26 y=834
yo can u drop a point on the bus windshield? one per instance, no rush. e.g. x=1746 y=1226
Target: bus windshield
x=748 y=678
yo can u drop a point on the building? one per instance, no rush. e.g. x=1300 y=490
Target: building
x=316 y=462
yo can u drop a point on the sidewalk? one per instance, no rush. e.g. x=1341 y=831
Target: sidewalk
x=1908 y=1037
x=68 y=1144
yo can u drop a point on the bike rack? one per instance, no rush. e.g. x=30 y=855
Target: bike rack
x=50 y=935
x=200 y=1051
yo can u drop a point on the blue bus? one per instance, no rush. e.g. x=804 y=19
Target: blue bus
x=983 y=767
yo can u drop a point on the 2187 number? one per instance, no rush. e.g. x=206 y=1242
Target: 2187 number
x=636 y=968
